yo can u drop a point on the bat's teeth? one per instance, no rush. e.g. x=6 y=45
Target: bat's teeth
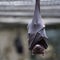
x=37 y=45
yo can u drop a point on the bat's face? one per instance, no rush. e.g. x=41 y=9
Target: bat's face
x=38 y=49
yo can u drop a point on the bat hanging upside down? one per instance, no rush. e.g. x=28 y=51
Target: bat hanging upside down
x=36 y=32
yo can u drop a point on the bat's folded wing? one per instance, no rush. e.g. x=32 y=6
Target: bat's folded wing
x=38 y=38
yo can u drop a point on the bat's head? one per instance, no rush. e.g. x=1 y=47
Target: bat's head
x=38 y=49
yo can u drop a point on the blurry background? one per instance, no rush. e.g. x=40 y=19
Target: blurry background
x=14 y=17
